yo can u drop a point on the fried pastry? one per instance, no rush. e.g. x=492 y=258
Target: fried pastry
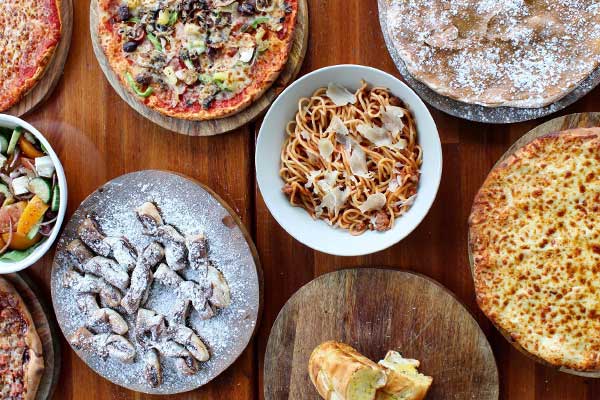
x=105 y=345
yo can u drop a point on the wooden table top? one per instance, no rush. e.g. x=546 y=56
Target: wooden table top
x=98 y=137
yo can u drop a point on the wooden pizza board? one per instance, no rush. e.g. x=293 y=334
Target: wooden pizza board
x=571 y=121
x=376 y=310
x=232 y=250
x=216 y=126
x=46 y=329
x=43 y=89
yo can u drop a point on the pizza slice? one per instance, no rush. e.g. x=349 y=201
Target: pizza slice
x=21 y=361
x=30 y=31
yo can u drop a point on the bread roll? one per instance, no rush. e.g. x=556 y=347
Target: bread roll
x=404 y=382
x=339 y=372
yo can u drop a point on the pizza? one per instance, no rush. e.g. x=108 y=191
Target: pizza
x=497 y=53
x=29 y=34
x=197 y=59
x=21 y=362
x=535 y=247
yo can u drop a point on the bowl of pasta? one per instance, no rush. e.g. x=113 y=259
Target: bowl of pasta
x=348 y=160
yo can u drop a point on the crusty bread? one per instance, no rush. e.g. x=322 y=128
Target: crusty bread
x=404 y=382
x=339 y=372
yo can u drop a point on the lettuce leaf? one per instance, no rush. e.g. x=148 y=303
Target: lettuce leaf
x=18 y=255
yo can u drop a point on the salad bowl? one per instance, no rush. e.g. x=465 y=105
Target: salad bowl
x=33 y=190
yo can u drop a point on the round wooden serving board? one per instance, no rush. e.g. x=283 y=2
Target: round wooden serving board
x=43 y=89
x=46 y=329
x=571 y=121
x=216 y=126
x=376 y=310
x=191 y=208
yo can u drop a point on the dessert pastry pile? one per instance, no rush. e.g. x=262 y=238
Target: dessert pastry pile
x=112 y=281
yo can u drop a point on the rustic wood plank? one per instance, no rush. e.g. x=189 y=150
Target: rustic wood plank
x=437 y=248
x=98 y=137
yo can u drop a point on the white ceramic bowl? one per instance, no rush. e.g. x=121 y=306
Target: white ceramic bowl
x=295 y=220
x=8 y=121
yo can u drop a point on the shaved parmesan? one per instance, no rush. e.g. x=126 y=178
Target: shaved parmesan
x=407 y=202
x=376 y=135
x=311 y=176
x=358 y=162
x=374 y=202
x=337 y=126
x=326 y=149
x=401 y=144
x=329 y=180
x=304 y=135
x=392 y=119
x=341 y=133
x=393 y=185
x=340 y=95
x=333 y=200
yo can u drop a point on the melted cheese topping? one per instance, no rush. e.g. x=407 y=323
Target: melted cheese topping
x=535 y=241
x=28 y=30
x=195 y=53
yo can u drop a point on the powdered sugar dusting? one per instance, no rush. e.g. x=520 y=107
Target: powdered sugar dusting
x=489 y=52
x=472 y=111
x=192 y=210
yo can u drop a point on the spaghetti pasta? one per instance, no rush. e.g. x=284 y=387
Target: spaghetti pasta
x=354 y=164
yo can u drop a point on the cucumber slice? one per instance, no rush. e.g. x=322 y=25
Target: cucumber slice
x=55 y=205
x=5 y=191
x=41 y=188
x=14 y=139
x=34 y=230
x=3 y=144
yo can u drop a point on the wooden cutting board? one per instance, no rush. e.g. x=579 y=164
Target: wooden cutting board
x=46 y=329
x=216 y=126
x=43 y=89
x=191 y=207
x=376 y=310
x=571 y=121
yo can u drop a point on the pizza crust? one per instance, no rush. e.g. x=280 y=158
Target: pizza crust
x=496 y=54
x=526 y=268
x=270 y=69
x=7 y=100
x=35 y=366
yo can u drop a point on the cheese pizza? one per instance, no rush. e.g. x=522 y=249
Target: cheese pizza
x=535 y=247
x=21 y=362
x=197 y=59
x=29 y=34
